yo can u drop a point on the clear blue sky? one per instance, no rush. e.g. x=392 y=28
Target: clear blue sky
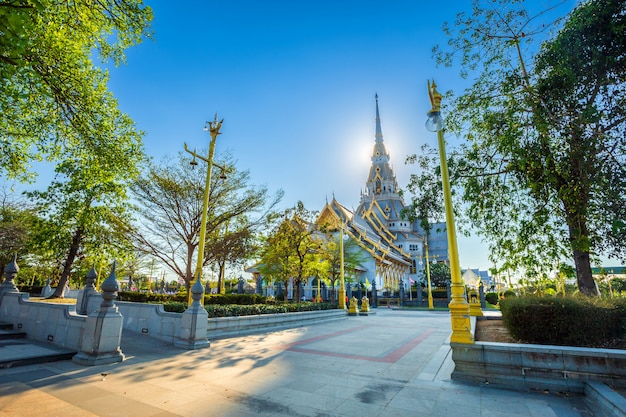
x=295 y=83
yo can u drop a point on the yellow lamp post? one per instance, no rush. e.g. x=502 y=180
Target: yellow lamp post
x=319 y=294
x=430 y=289
x=459 y=308
x=342 y=287
x=214 y=130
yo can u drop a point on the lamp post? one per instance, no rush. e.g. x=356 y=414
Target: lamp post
x=214 y=130
x=459 y=308
x=430 y=290
x=342 y=288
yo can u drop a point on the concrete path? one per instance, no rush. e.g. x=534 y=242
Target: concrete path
x=394 y=363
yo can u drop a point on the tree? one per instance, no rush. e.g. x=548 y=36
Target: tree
x=85 y=209
x=330 y=252
x=543 y=167
x=440 y=275
x=292 y=249
x=16 y=222
x=170 y=199
x=52 y=96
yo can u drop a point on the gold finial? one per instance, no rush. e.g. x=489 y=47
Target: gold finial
x=435 y=97
x=214 y=126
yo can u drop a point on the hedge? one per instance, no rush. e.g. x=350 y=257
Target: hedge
x=221 y=299
x=565 y=321
x=218 y=310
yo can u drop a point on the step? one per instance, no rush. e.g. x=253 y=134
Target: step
x=11 y=334
x=22 y=352
x=5 y=326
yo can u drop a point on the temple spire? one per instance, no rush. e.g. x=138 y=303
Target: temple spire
x=379 y=130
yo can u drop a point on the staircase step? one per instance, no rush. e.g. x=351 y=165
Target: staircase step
x=5 y=326
x=22 y=352
x=11 y=334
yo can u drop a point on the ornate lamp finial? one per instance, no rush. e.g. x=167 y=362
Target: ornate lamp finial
x=435 y=97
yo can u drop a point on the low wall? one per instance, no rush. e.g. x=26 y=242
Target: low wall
x=153 y=320
x=150 y=319
x=542 y=367
x=222 y=327
x=47 y=322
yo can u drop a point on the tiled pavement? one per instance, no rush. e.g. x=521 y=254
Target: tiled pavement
x=394 y=363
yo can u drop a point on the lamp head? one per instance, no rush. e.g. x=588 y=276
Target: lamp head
x=434 y=122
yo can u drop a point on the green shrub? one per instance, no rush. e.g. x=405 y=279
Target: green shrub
x=570 y=321
x=147 y=297
x=508 y=294
x=218 y=310
x=439 y=293
x=239 y=299
x=175 y=306
x=492 y=298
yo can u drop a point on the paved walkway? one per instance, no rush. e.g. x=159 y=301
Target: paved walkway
x=394 y=363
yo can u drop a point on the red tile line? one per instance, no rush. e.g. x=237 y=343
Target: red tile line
x=392 y=357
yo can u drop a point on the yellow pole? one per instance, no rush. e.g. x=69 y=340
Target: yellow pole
x=342 y=288
x=319 y=294
x=214 y=130
x=459 y=307
x=430 y=291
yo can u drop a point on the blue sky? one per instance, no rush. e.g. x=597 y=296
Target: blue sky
x=295 y=83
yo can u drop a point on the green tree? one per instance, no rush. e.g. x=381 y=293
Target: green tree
x=440 y=275
x=85 y=209
x=543 y=167
x=170 y=199
x=16 y=222
x=52 y=96
x=331 y=252
x=293 y=248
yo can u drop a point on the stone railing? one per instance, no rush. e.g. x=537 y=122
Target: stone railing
x=46 y=322
x=542 y=367
x=221 y=327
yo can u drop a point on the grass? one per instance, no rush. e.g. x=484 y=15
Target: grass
x=53 y=300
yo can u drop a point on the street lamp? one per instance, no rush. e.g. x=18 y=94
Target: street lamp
x=430 y=291
x=459 y=308
x=214 y=130
x=342 y=287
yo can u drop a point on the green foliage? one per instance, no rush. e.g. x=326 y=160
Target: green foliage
x=492 y=298
x=231 y=310
x=255 y=309
x=53 y=98
x=542 y=171
x=238 y=299
x=569 y=321
x=509 y=294
x=16 y=225
x=440 y=274
x=439 y=293
x=170 y=197
x=293 y=248
x=146 y=297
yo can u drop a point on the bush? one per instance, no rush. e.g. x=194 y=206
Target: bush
x=217 y=310
x=147 y=297
x=239 y=299
x=492 y=298
x=570 y=321
x=509 y=294
x=175 y=306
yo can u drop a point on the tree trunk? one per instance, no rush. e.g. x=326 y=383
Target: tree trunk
x=69 y=261
x=577 y=233
x=584 y=279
